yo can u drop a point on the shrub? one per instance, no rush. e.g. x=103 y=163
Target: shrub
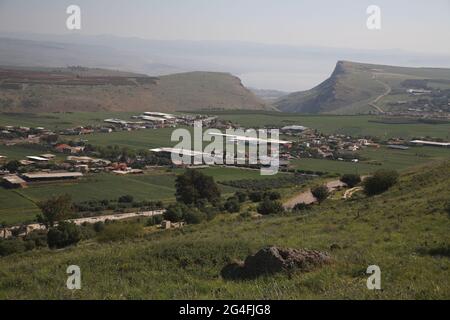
x=272 y=195
x=155 y=220
x=241 y=196
x=255 y=196
x=447 y=208
x=232 y=205
x=65 y=234
x=174 y=212
x=270 y=207
x=321 y=193
x=126 y=199
x=301 y=207
x=194 y=216
x=351 y=180
x=99 y=226
x=120 y=231
x=211 y=212
x=11 y=246
x=38 y=237
x=380 y=182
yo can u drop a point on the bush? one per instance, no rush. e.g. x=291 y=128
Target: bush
x=99 y=226
x=351 y=180
x=232 y=205
x=11 y=246
x=174 y=212
x=270 y=207
x=155 y=220
x=321 y=193
x=38 y=237
x=241 y=196
x=65 y=234
x=194 y=216
x=380 y=182
x=126 y=199
x=120 y=232
x=255 y=196
x=272 y=195
x=447 y=208
x=211 y=212
x=301 y=207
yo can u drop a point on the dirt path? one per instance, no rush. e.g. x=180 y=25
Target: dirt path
x=7 y=232
x=373 y=104
x=306 y=197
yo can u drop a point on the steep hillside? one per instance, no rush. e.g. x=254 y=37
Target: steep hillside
x=81 y=89
x=404 y=231
x=363 y=88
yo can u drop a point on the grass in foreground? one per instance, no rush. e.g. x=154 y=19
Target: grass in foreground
x=404 y=231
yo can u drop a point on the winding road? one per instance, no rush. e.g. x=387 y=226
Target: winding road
x=373 y=104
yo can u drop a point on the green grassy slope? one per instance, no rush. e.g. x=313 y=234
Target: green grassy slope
x=404 y=231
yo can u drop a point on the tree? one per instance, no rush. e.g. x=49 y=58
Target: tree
x=193 y=187
x=351 y=180
x=321 y=193
x=175 y=212
x=380 y=182
x=12 y=166
x=65 y=234
x=268 y=206
x=54 y=209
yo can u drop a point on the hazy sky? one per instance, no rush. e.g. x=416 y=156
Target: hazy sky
x=413 y=25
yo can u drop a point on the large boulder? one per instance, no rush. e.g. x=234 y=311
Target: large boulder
x=272 y=260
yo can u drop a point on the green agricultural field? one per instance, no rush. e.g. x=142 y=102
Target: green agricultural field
x=15 y=208
x=19 y=205
x=383 y=158
x=139 y=139
x=404 y=231
x=19 y=152
x=60 y=120
x=351 y=125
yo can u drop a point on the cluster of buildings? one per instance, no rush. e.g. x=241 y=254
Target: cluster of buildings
x=12 y=135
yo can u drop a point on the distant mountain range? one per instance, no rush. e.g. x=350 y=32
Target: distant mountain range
x=83 y=89
x=262 y=66
x=359 y=88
